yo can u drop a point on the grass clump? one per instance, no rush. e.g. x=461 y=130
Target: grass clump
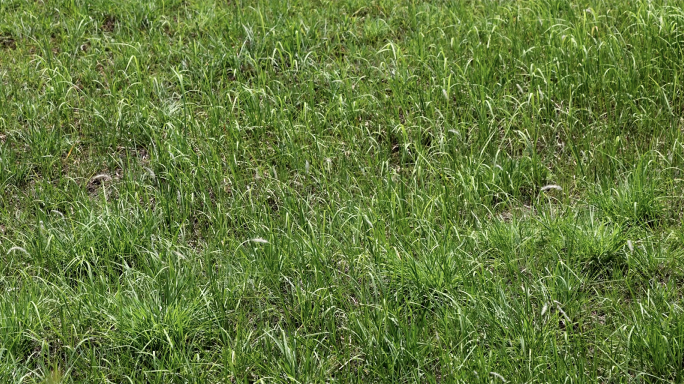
x=341 y=191
x=637 y=200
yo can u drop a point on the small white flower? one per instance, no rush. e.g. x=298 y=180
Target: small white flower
x=259 y=240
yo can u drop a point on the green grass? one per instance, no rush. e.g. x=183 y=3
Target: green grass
x=341 y=191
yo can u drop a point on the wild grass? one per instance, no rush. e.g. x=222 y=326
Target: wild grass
x=341 y=191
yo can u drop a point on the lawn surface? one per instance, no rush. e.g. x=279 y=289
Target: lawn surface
x=341 y=191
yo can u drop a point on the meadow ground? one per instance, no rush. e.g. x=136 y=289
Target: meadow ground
x=341 y=191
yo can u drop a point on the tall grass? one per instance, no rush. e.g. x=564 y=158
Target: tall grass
x=320 y=191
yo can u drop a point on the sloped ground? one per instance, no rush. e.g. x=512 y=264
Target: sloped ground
x=317 y=191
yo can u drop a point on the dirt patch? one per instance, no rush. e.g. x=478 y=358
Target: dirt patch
x=520 y=213
x=97 y=181
x=142 y=154
x=7 y=41
x=109 y=23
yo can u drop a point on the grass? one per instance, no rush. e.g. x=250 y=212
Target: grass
x=341 y=191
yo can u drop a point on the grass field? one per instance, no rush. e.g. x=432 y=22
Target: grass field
x=320 y=191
